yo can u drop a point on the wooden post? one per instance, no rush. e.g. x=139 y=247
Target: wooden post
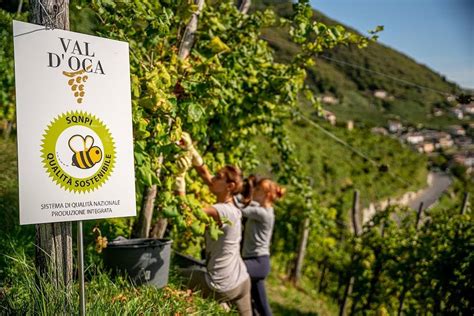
x=323 y=275
x=404 y=290
x=51 y=13
x=20 y=6
x=142 y=226
x=188 y=39
x=465 y=201
x=53 y=241
x=159 y=229
x=298 y=267
x=301 y=251
x=402 y=299
x=347 y=293
x=418 y=216
x=355 y=214
x=357 y=231
x=7 y=129
x=244 y=5
x=377 y=271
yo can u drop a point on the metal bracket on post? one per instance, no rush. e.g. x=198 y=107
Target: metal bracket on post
x=80 y=266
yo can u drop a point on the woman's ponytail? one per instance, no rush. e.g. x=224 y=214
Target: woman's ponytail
x=248 y=189
x=278 y=191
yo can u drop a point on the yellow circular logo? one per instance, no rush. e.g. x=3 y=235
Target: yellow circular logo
x=78 y=151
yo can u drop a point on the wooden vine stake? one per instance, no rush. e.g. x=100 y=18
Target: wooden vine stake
x=53 y=241
x=356 y=228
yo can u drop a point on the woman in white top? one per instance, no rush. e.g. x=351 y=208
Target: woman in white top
x=257 y=236
x=226 y=278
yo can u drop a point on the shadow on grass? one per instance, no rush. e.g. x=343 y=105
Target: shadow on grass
x=282 y=310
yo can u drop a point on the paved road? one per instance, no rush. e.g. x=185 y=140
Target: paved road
x=441 y=181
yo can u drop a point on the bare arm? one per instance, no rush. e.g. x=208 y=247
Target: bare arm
x=212 y=212
x=204 y=174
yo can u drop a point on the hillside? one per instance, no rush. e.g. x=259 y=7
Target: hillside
x=243 y=108
x=352 y=75
x=336 y=170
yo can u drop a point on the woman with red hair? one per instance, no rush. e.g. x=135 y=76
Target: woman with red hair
x=257 y=237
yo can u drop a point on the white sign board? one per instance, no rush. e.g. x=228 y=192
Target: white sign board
x=74 y=123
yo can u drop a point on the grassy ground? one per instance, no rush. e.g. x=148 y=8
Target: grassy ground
x=12 y=235
x=22 y=292
x=286 y=299
x=27 y=294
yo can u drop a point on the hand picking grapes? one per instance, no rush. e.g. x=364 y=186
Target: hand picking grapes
x=187 y=144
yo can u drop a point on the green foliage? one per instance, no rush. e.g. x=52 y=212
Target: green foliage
x=446 y=273
x=7 y=78
x=335 y=173
x=398 y=267
x=228 y=91
x=290 y=214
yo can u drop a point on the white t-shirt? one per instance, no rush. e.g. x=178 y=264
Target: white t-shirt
x=258 y=230
x=226 y=269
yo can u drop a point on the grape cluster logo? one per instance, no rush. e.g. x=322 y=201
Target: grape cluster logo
x=78 y=151
x=80 y=61
x=77 y=83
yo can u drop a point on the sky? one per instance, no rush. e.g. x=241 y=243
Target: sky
x=436 y=33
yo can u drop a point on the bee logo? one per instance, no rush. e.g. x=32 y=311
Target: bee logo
x=85 y=156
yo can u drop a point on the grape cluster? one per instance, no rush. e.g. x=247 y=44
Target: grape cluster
x=77 y=86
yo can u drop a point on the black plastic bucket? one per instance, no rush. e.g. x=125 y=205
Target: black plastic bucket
x=144 y=260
